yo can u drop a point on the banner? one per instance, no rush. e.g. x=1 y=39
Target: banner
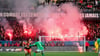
x=11 y=49
x=27 y=14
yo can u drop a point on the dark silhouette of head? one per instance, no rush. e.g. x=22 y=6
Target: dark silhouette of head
x=37 y=39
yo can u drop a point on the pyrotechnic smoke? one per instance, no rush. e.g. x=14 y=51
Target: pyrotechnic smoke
x=64 y=20
x=5 y=23
x=80 y=48
x=24 y=7
x=7 y=27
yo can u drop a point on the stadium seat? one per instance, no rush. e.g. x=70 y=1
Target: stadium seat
x=8 y=44
x=12 y=44
x=18 y=44
x=5 y=45
x=0 y=45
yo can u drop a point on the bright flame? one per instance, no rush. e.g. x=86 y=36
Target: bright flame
x=10 y=35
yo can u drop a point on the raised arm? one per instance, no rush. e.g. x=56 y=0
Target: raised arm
x=33 y=44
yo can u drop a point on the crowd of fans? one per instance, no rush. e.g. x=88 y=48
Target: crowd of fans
x=2 y=31
x=85 y=5
x=93 y=31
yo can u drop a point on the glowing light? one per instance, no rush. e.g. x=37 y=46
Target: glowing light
x=52 y=32
x=25 y=31
x=10 y=35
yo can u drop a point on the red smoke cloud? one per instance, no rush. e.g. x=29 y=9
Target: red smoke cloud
x=64 y=20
